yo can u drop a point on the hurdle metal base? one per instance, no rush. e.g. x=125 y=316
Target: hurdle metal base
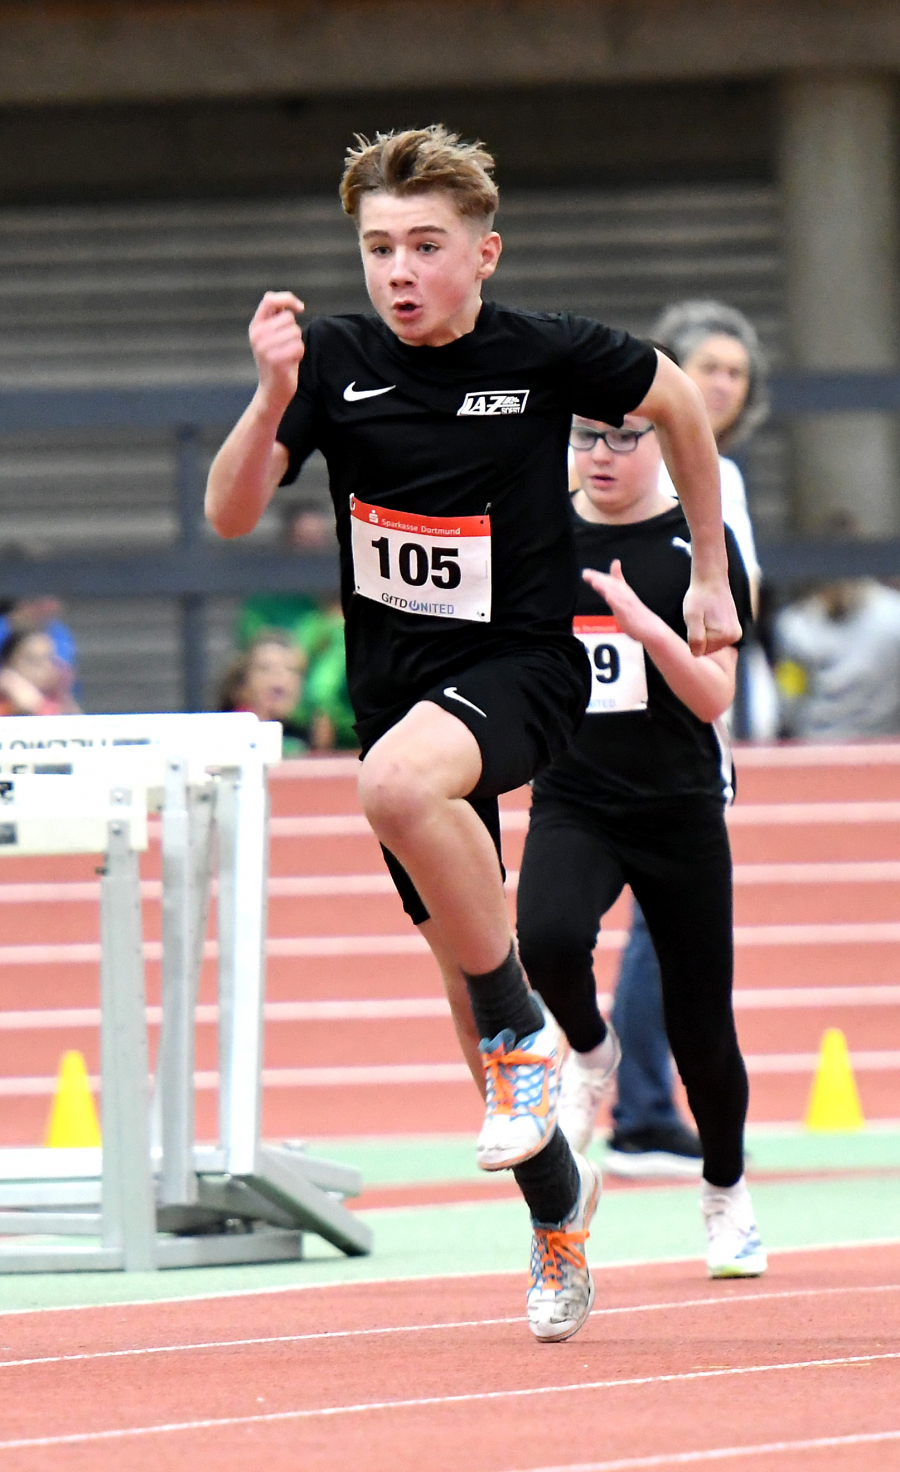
x=260 y=1217
x=152 y=1197
x=224 y=1250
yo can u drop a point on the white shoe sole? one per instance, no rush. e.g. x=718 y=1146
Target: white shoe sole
x=498 y=1160
x=652 y=1165
x=753 y=1267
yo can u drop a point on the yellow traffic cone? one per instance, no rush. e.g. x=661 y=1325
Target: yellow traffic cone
x=834 y=1101
x=73 y=1122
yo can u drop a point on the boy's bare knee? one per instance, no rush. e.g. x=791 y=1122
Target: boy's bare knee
x=394 y=796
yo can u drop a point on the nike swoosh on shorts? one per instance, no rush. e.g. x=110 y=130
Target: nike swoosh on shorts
x=453 y=693
x=352 y=393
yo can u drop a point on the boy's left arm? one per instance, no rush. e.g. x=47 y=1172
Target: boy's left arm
x=705 y=684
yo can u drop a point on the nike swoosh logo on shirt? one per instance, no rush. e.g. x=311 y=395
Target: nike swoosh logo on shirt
x=352 y=393
x=452 y=692
x=684 y=546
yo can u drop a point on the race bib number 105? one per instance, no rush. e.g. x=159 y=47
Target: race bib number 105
x=436 y=565
x=618 y=666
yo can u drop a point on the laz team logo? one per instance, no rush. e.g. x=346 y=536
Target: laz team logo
x=500 y=401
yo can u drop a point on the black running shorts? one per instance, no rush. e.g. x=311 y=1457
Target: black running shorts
x=522 y=709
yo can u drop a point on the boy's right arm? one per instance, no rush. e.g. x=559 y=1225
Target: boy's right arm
x=249 y=467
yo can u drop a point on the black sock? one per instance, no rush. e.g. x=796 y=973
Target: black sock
x=549 y=1181
x=589 y=1034
x=501 y=998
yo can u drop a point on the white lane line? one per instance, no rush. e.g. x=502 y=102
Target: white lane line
x=725 y=1453
x=761 y=999
x=319 y=886
x=873 y=1061
x=716 y=1301
x=286 y=886
x=298 y=946
x=826 y=754
x=365 y=1075
x=779 y=814
x=117 y=1354
x=616 y=1265
x=515 y=820
x=874 y=933
x=291 y=946
x=746 y=999
x=365 y=1009
x=298 y=768
x=342 y=1076
x=78 y=1438
x=886 y=871
x=875 y=754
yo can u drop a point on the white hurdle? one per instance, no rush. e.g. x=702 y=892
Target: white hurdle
x=84 y=784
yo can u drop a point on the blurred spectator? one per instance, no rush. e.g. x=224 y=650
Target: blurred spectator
x=838 y=662
x=31 y=614
x=267 y=678
x=315 y=627
x=719 y=350
x=34 y=681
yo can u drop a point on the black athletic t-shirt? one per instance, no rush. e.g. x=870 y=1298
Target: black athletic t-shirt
x=479 y=426
x=622 y=758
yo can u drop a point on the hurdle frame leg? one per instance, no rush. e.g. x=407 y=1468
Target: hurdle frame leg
x=128 y=1208
x=186 y=863
x=242 y=821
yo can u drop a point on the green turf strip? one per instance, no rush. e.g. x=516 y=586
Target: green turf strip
x=407 y=1160
x=631 y=1226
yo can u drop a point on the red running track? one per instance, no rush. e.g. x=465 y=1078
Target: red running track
x=800 y=1370
x=805 y=928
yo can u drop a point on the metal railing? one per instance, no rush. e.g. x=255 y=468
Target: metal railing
x=194 y=568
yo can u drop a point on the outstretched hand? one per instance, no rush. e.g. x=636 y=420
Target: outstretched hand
x=278 y=346
x=632 y=616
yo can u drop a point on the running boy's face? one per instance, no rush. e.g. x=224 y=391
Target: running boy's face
x=617 y=487
x=424 y=265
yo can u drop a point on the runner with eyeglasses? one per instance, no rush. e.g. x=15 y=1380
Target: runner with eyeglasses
x=638 y=799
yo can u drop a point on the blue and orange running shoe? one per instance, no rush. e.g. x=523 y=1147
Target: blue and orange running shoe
x=560 y=1288
x=522 y=1087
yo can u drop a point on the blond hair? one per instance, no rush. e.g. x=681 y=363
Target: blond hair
x=419 y=161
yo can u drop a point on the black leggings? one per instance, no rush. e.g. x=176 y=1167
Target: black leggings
x=676 y=858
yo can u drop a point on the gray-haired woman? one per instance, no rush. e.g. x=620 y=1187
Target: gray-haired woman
x=719 y=349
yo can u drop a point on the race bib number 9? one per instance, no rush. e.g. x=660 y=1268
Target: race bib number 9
x=437 y=565
x=618 y=666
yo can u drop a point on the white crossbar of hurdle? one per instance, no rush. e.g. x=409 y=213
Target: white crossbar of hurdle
x=152 y=1197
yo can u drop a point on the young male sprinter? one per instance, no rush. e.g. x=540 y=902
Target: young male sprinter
x=444 y=424
x=639 y=799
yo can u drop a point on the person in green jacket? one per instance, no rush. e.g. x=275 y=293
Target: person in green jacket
x=316 y=627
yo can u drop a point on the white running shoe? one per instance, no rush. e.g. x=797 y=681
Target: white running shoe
x=522 y=1087
x=581 y=1092
x=734 y=1249
x=560 y=1288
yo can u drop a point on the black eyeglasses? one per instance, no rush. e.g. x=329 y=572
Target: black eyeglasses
x=620 y=441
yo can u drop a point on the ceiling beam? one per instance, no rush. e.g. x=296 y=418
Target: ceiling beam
x=112 y=51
